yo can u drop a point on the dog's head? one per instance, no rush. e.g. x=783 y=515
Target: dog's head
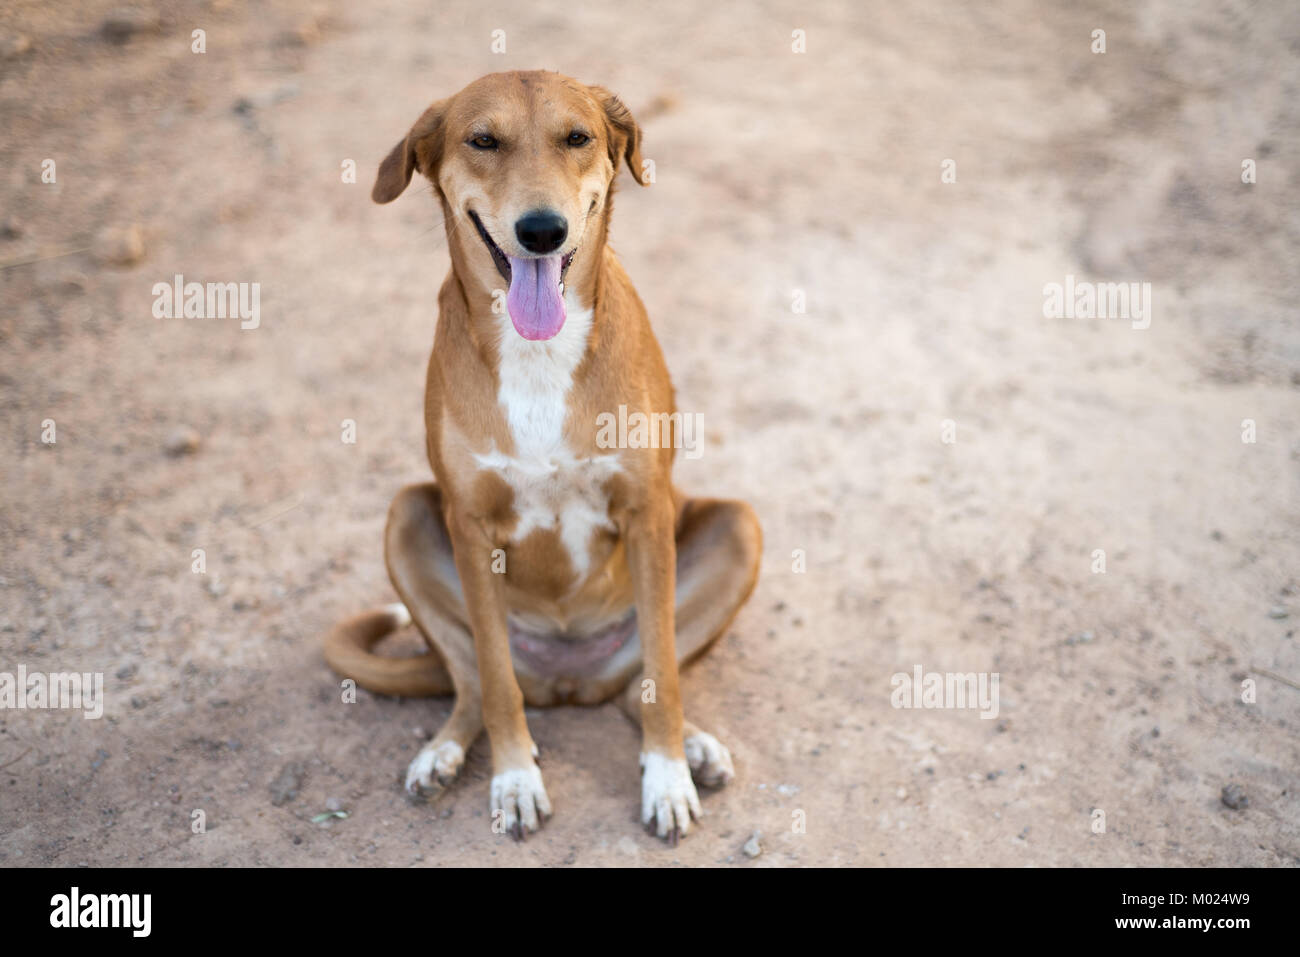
x=524 y=164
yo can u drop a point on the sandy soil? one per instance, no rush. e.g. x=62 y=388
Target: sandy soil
x=775 y=172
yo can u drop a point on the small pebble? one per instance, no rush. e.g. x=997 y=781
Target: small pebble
x=14 y=46
x=752 y=847
x=121 y=25
x=1234 y=797
x=1277 y=611
x=304 y=34
x=181 y=441
x=119 y=245
x=285 y=787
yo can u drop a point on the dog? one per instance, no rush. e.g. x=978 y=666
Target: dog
x=540 y=566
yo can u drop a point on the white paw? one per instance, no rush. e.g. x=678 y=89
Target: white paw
x=709 y=759
x=519 y=801
x=668 y=798
x=434 y=767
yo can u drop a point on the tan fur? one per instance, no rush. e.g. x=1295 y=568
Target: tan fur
x=660 y=553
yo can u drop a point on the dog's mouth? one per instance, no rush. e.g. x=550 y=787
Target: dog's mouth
x=536 y=296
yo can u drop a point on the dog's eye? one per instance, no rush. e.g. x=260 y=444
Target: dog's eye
x=483 y=142
x=578 y=138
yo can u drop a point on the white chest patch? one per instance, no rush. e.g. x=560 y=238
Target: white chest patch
x=553 y=488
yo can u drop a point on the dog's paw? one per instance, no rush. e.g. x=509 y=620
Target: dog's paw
x=435 y=767
x=668 y=798
x=519 y=802
x=709 y=760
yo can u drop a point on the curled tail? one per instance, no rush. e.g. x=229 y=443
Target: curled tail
x=347 y=651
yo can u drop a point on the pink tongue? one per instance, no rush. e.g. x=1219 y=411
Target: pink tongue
x=534 y=301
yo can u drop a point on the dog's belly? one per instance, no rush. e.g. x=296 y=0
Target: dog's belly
x=543 y=653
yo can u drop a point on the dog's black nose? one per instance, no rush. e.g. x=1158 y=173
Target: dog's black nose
x=541 y=231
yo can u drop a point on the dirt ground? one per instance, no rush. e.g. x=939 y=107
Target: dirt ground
x=777 y=174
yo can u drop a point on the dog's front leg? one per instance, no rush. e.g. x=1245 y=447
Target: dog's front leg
x=668 y=798
x=519 y=801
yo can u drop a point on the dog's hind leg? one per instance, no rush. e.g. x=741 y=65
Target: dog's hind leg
x=420 y=564
x=719 y=545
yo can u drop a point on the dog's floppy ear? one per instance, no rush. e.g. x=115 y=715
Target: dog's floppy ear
x=419 y=149
x=624 y=134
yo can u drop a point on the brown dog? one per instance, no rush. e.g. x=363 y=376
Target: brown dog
x=544 y=565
